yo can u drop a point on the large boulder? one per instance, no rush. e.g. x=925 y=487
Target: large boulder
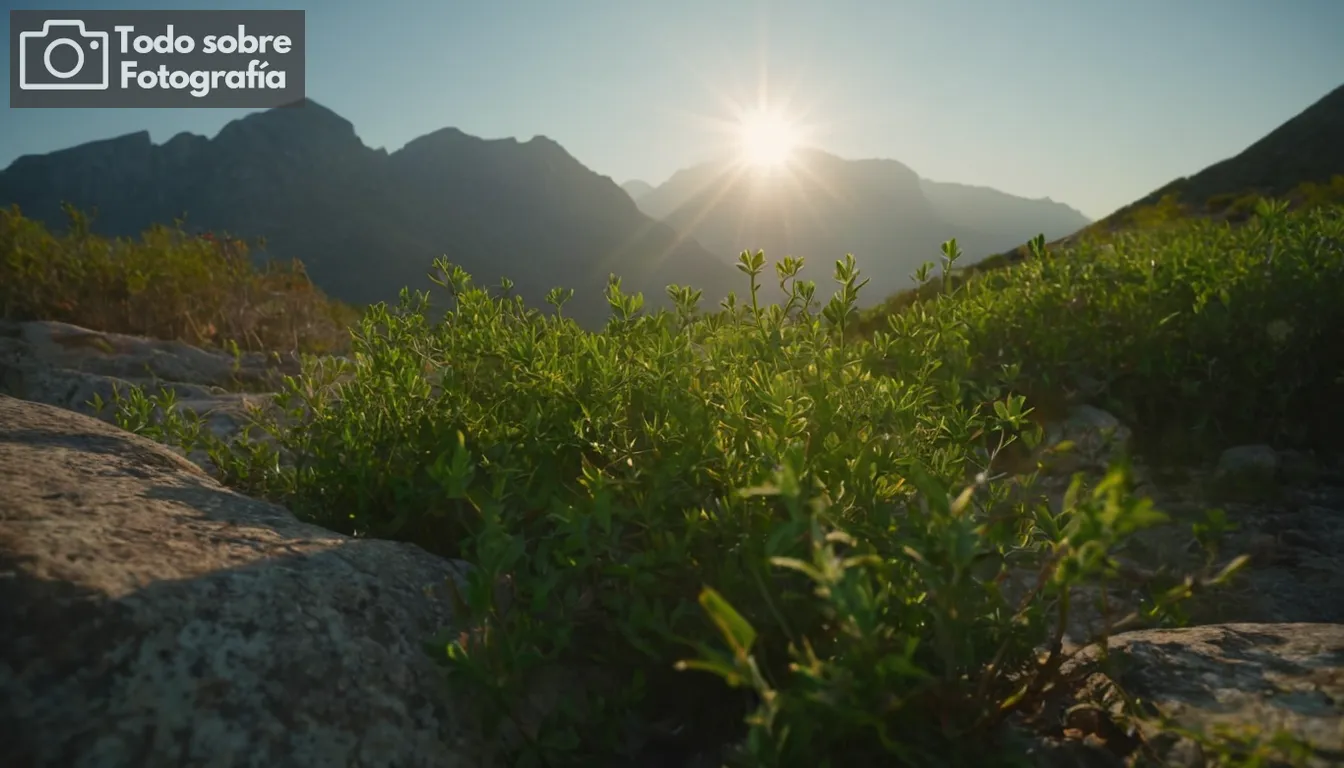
x=154 y=618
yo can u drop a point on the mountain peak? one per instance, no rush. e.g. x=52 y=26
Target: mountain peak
x=549 y=148
x=303 y=124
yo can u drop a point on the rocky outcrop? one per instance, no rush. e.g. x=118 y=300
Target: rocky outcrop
x=1283 y=508
x=1247 y=472
x=1253 y=680
x=155 y=618
x=1094 y=439
x=1292 y=529
x=68 y=366
x=1294 y=540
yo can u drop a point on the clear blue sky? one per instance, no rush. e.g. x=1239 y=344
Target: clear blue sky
x=1090 y=102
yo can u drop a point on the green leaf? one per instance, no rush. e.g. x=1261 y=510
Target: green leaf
x=726 y=671
x=794 y=564
x=736 y=631
x=1230 y=570
x=929 y=488
x=962 y=501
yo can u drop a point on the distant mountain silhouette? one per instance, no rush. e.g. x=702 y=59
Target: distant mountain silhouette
x=636 y=188
x=999 y=215
x=823 y=207
x=366 y=222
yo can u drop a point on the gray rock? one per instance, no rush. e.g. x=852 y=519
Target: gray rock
x=1096 y=436
x=1249 y=458
x=62 y=345
x=155 y=618
x=67 y=366
x=1246 y=473
x=1272 y=676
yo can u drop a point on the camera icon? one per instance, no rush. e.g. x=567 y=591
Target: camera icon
x=37 y=71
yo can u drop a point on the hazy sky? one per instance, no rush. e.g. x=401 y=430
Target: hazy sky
x=1090 y=102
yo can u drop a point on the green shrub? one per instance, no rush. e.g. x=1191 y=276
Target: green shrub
x=1232 y=206
x=169 y=284
x=1313 y=195
x=1165 y=212
x=1229 y=334
x=748 y=492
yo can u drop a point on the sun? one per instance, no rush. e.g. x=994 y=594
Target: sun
x=767 y=139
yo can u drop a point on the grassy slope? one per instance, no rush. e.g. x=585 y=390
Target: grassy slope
x=1301 y=162
x=1163 y=209
x=167 y=285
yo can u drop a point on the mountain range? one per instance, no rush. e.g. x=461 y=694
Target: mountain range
x=367 y=222
x=821 y=207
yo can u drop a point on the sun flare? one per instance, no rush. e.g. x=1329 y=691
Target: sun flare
x=767 y=139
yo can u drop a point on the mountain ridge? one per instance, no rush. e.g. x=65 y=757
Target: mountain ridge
x=822 y=206
x=1308 y=147
x=527 y=210
x=366 y=222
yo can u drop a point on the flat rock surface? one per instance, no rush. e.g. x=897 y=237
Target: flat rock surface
x=155 y=618
x=1267 y=676
x=68 y=366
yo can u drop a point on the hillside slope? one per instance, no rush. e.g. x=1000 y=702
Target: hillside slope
x=636 y=188
x=1301 y=161
x=1309 y=148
